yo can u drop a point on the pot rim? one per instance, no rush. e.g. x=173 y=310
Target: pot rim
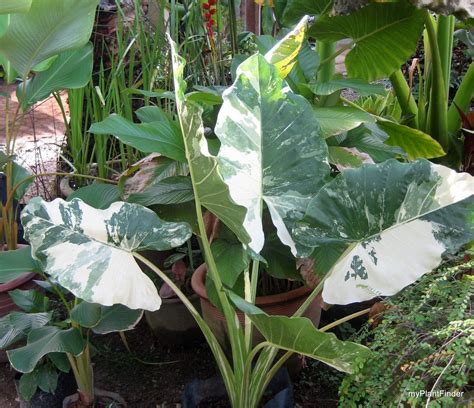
x=22 y=279
x=198 y=285
x=174 y=300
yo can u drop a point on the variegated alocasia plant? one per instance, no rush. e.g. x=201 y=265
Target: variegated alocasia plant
x=270 y=148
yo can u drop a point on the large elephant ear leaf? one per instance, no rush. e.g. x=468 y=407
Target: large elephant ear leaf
x=298 y=335
x=90 y=251
x=48 y=28
x=284 y=54
x=209 y=187
x=379 y=228
x=271 y=150
x=383 y=35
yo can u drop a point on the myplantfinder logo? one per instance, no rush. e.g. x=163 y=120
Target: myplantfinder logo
x=435 y=394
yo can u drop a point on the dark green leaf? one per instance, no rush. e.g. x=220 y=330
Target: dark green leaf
x=97 y=195
x=155 y=137
x=14 y=264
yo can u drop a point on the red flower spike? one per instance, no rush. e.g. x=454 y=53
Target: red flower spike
x=212 y=2
x=206 y=6
x=213 y=11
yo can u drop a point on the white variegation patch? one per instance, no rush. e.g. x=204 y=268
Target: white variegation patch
x=90 y=251
x=395 y=260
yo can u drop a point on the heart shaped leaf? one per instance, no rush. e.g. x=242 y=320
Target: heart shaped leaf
x=89 y=251
x=380 y=227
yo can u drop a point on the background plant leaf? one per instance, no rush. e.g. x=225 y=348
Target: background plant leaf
x=50 y=27
x=385 y=35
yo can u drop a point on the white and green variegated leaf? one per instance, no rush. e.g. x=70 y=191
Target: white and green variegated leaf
x=383 y=35
x=42 y=341
x=50 y=27
x=105 y=319
x=208 y=184
x=90 y=251
x=380 y=227
x=271 y=150
x=298 y=335
x=70 y=70
x=16 y=326
x=283 y=55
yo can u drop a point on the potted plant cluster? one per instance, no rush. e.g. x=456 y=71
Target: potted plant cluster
x=316 y=198
x=43 y=65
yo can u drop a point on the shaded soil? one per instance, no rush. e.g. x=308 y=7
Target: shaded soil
x=159 y=378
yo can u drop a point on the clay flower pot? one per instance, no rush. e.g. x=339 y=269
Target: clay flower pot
x=103 y=398
x=282 y=304
x=173 y=325
x=23 y=282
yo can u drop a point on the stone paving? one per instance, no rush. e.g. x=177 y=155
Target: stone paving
x=40 y=136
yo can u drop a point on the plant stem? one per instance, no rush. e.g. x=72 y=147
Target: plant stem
x=326 y=50
x=250 y=296
x=445 y=41
x=344 y=319
x=438 y=115
x=233 y=28
x=405 y=98
x=462 y=98
x=327 y=53
x=214 y=345
x=332 y=57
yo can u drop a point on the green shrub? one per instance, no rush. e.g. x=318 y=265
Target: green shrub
x=424 y=343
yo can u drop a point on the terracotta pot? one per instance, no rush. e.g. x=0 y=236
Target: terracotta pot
x=101 y=395
x=283 y=304
x=173 y=325
x=24 y=282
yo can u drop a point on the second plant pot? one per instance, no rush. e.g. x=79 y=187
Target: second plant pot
x=173 y=325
